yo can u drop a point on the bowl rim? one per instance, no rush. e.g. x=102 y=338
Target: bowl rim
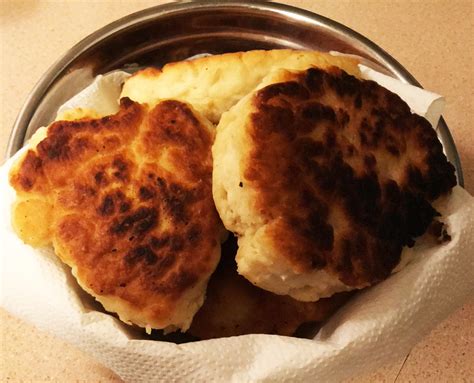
x=18 y=132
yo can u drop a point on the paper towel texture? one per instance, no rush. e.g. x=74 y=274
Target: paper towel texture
x=101 y=96
x=380 y=324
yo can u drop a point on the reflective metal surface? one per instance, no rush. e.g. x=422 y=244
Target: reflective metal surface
x=176 y=31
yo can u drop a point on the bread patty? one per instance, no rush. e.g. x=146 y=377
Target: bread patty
x=126 y=202
x=234 y=306
x=325 y=178
x=213 y=84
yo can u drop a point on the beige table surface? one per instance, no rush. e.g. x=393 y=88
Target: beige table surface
x=432 y=39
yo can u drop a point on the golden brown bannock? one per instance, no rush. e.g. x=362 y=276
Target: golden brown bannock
x=213 y=84
x=325 y=178
x=234 y=306
x=126 y=202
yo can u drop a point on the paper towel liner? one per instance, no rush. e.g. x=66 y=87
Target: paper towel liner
x=377 y=326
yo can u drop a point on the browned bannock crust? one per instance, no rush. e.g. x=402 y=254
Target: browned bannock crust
x=234 y=306
x=132 y=202
x=345 y=171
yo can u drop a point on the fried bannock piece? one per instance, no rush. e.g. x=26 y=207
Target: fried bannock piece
x=126 y=202
x=213 y=84
x=234 y=306
x=325 y=178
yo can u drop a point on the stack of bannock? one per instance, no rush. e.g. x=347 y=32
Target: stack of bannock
x=323 y=179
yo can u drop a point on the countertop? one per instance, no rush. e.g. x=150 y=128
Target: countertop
x=432 y=39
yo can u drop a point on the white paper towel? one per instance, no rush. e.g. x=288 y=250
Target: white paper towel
x=101 y=96
x=380 y=324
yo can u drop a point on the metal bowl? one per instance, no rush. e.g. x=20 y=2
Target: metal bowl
x=176 y=31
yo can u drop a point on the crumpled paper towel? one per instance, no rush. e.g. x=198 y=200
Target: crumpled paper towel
x=378 y=325
x=101 y=96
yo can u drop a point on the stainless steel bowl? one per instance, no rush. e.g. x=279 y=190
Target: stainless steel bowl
x=176 y=31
